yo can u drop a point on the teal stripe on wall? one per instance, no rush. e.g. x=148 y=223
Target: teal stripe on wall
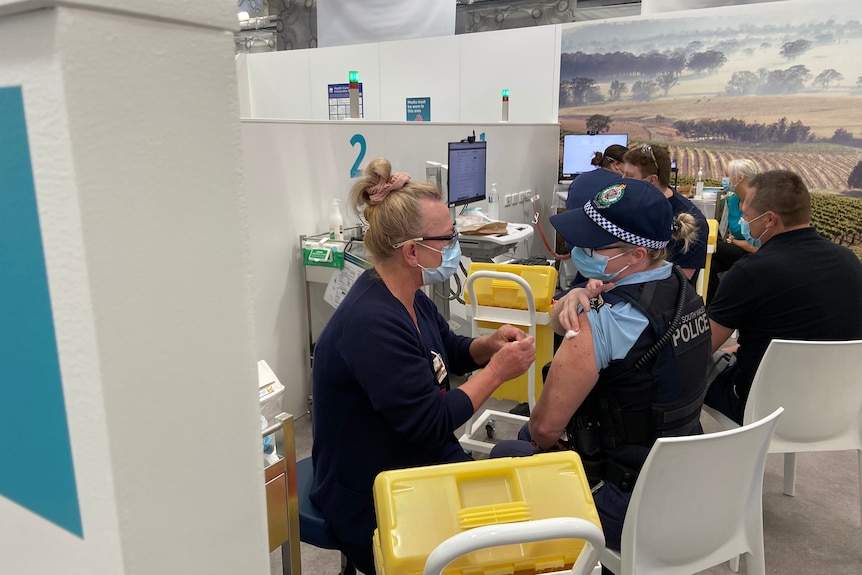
x=36 y=469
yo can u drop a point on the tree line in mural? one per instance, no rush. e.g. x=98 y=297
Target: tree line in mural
x=734 y=130
x=664 y=72
x=746 y=40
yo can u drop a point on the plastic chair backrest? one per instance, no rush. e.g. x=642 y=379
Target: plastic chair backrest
x=698 y=502
x=819 y=383
x=711 y=242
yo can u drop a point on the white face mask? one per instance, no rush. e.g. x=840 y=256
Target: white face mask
x=593 y=266
x=745 y=229
x=446 y=269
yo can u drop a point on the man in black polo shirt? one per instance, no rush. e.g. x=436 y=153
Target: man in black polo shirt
x=798 y=285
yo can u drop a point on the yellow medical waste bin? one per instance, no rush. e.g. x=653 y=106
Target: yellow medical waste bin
x=507 y=294
x=419 y=508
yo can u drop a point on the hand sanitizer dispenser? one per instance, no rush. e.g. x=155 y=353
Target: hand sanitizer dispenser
x=494 y=203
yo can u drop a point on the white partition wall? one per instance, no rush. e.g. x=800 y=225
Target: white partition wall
x=526 y=61
x=422 y=68
x=295 y=168
x=463 y=75
x=129 y=431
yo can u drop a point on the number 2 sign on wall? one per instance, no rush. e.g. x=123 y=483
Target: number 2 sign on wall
x=355 y=171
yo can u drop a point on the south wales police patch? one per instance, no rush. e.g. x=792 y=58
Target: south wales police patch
x=610 y=195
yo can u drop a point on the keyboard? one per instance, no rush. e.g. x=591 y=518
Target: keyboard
x=532 y=261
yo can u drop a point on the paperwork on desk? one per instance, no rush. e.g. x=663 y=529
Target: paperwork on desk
x=484 y=229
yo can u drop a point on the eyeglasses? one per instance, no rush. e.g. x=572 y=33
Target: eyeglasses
x=451 y=240
x=647 y=150
x=591 y=251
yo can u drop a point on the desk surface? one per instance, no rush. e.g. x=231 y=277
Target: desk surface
x=483 y=248
x=514 y=233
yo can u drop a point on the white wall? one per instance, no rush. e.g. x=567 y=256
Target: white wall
x=295 y=168
x=463 y=75
x=136 y=174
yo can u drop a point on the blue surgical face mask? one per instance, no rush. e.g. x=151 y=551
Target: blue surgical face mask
x=745 y=230
x=447 y=268
x=593 y=266
x=726 y=185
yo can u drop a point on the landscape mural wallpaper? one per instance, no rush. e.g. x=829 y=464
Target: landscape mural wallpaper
x=779 y=83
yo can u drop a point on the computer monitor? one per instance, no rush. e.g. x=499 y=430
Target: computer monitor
x=579 y=149
x=467 y=172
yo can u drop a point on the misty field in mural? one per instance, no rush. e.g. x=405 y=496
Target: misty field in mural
x=780 y=84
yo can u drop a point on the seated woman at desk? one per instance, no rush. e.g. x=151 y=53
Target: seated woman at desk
x=733 y=244
x=380 y=378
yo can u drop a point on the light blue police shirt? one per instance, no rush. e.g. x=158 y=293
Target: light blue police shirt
x=617 y=327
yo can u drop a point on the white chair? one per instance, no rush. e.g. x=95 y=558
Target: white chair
x=819 y=384
x=697 y=503
x=522 y=532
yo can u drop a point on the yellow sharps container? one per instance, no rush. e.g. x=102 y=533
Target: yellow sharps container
x=420 y=507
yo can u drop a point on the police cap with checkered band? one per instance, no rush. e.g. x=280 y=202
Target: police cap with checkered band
x=632 y=211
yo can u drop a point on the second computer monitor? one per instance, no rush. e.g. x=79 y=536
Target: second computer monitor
x=579 y=149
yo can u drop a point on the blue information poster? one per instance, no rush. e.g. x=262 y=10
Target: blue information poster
x=35 y=450
x=418 y=109
x=339 y=101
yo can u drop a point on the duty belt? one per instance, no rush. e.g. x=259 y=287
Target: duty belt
x=611 y=472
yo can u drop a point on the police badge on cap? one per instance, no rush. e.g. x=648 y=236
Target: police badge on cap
x=610 y=195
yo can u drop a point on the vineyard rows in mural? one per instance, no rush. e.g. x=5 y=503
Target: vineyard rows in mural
x=820 y=171
x=838 y=218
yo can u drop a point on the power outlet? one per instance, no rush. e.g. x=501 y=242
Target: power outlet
x=522 y=196
x=508 y=201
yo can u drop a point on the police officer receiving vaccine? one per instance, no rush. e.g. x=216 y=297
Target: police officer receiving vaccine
x=380 y=379
x=633 y=364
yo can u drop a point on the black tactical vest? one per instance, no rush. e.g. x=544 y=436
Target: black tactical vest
x=655 y=391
